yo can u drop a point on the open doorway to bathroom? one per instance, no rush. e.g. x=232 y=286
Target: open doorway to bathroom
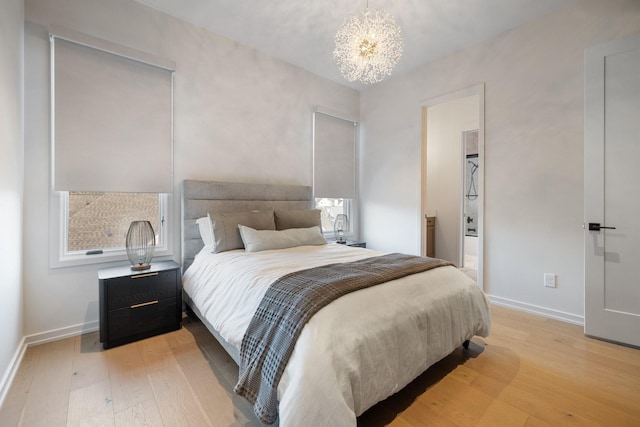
x=470 y=202
x=452 y=179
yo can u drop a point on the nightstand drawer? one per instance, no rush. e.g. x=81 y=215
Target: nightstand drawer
x=142 y=320
x=140 y=288
x=139 y=304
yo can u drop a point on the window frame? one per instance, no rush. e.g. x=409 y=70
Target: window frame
x=351 y=205
x=58 y=235
x=348 y=208
x=58 y=200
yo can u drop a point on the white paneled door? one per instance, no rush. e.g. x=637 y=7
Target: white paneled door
x=612 y=191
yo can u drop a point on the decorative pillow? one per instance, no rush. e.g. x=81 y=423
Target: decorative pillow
x=206 y=230
x=226 y=235
x=306 y=236
x=297 y=219
x=262 y=240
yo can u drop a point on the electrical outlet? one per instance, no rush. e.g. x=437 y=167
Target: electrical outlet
x=549 y=280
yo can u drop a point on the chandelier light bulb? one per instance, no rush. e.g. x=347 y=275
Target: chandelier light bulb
x=368 y=47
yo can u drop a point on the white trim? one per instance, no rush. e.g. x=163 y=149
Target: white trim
x=40 y=338
x=550 y=313
x=58 y=224
x=12 y=369
x=353 y=203
x=475 y=89
x=478 y=90
x=62 y=333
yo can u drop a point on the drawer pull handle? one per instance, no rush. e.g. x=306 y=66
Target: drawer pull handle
x=144 y=304
x=144 y=275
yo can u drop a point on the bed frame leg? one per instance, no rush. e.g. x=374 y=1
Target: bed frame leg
x=466 y=344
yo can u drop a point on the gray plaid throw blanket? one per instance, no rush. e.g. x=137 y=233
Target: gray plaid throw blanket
x=288 y=305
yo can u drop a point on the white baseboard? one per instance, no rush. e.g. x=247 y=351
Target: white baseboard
x=10 y=373
x=40 y=338
x=536 y=309
x=62 y=333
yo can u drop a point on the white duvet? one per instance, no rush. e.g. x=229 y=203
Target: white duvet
x=359 y=349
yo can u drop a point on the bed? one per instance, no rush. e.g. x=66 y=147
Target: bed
x=355 y=351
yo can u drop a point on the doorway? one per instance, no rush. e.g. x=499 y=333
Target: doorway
x=471 y=169
x=453 y=179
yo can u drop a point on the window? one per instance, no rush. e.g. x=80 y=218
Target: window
x=94 y=225
x=100 y=221
x=111 y=147
x=334 y=169
x=329 y=209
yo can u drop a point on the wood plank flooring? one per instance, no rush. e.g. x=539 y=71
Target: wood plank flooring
x=531 y=371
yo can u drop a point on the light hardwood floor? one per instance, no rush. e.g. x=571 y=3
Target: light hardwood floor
x=531 y=371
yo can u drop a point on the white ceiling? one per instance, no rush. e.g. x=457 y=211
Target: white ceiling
x=302 y=33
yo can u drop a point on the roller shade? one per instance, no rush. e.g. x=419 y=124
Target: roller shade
x=112 y=118
x=334 y=157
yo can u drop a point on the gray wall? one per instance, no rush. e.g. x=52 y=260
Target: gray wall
x=533 y=151
x=11 y=194
x=239 y=115
x=242 y=115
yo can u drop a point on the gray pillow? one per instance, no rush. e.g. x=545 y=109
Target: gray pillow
x=226 y=235
x=262 y=240
x=297 y=219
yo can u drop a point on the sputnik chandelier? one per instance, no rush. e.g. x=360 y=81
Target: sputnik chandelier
x=368 y=46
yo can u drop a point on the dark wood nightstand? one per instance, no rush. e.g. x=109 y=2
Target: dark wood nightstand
x=356 y=244
x=139 y=304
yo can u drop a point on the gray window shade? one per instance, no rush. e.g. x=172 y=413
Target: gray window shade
x=112 y=121
x=334 y=157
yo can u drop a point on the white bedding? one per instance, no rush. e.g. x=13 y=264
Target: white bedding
x=359 y=349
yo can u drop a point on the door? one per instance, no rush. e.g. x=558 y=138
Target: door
x=612 y=191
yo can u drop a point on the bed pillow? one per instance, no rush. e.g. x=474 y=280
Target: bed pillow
x=306 y=236
x=206 y=231
x=297 y=219
x=262 y=240
x=226 y=235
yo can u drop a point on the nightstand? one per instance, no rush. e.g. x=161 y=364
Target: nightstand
x=139 y=304
x=356 y=244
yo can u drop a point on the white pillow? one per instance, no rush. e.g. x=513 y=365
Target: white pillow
x=262 y=240
x=307 y=236
x=206 y=230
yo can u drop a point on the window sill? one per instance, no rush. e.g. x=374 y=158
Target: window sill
x=103 y=258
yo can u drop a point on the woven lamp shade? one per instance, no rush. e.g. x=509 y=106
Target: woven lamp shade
x=340 y=226
x=140 y=244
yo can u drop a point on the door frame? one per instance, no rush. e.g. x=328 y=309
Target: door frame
x=476 y=89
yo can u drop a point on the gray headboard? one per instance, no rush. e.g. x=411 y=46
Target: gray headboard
x=201 y=197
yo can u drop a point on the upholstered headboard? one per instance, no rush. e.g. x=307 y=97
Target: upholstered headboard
x=202 y=197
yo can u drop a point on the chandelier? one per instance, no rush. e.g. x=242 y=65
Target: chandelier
x=368 y=46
